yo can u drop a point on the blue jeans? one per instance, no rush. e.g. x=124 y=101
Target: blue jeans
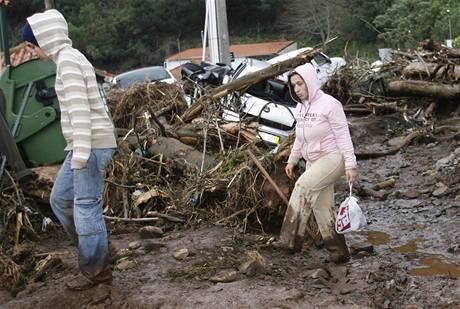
x=76 y=200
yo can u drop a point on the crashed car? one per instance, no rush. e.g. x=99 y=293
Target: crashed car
x=142 y=75
x=270 y=102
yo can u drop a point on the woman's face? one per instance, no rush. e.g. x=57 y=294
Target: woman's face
x=299 y=87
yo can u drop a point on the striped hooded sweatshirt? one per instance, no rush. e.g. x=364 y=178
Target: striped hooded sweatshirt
x=321 y=125
x=84 y=119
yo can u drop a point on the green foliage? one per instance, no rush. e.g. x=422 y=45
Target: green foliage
x=407 y=22
x=120 y=35
x=457 y=41
x=363 y=13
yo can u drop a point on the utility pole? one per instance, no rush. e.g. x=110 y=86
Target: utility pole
x=449 y=41
x=50 y=4
x=217 y=31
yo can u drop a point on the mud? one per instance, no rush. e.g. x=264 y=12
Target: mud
x=415 y=262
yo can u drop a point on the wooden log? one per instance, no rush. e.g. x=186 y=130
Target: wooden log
x=430 y=45
x=243 y=83
x=429 y=69
x=267 y=176
x=173 y=149
x=423 y=89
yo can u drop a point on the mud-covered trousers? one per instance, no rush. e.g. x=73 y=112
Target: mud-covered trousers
x=314 y=193
x=76 y=200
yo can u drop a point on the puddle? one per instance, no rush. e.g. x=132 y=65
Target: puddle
x=436 y=267
x=376 y=238
x=410 y=247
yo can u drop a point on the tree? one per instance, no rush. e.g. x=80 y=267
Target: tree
x=407 y=22
x=363 y=12
x=314 y=19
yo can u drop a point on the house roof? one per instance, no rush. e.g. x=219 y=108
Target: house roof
x=240 y=50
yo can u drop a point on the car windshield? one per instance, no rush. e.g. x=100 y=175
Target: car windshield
x=320 y=60
x=140 y=76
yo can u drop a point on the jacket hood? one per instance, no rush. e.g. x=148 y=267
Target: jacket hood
x=308 y=73
x=51 y=31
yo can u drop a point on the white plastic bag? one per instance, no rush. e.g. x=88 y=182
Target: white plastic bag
x=350 y=217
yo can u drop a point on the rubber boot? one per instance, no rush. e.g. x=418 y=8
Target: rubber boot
x=338 y=249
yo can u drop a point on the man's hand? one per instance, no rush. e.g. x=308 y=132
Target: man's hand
x=289 y=169
x=352 y=174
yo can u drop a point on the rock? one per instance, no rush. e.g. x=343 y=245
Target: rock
x=123 y=253
x=396 y=141
x=294 y=294
x=445 y=162
x=381 y=194
x=442 y=188
x=253 y=264
x=251 y=268
x=345 y=291
x=390 y=183
x=225 y=276
x=228 y=249
x=140 y=251
x=125 y=264
x=455 y=249
x=363 y=246
x=150 y=232
x=316 y=273
x=181 y=254
x=386 y=303
x=134 y=245
x=411 y=193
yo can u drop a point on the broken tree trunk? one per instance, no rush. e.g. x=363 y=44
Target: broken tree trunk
x=243 y=83
x=421 y=69
x=175 y=150
x=429 y=44
x=423 y=88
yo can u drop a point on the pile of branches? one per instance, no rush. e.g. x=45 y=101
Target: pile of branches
x=186 y=165
x=431 y=72
x=143 y=101
x=196 y=172
x=19 y=222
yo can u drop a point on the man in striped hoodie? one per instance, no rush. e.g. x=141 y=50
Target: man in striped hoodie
x=76 y=198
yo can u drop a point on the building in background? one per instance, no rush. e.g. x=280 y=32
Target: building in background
x=261 y=51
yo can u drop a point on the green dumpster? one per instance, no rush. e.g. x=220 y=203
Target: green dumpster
x=38 y=135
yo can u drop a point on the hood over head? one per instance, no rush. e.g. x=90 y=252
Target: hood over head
x=51 y=31
x=27 y=34
x=308 y=73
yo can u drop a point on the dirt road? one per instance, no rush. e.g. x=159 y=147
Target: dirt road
x=415 y=263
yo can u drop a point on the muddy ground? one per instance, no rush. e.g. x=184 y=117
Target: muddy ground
x=415 y=263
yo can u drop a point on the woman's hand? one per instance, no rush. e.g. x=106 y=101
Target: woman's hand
x=352 y=174
x=289 y=169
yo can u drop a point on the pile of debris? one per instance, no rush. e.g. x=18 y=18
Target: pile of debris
x=181 y=165
x=431 y=72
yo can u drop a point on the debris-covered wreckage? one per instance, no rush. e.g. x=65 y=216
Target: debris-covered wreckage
x=179 y=166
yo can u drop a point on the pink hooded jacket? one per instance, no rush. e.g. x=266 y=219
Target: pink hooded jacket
x=321 y=126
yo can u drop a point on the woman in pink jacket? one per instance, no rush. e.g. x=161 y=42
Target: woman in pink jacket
x=323 y=140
